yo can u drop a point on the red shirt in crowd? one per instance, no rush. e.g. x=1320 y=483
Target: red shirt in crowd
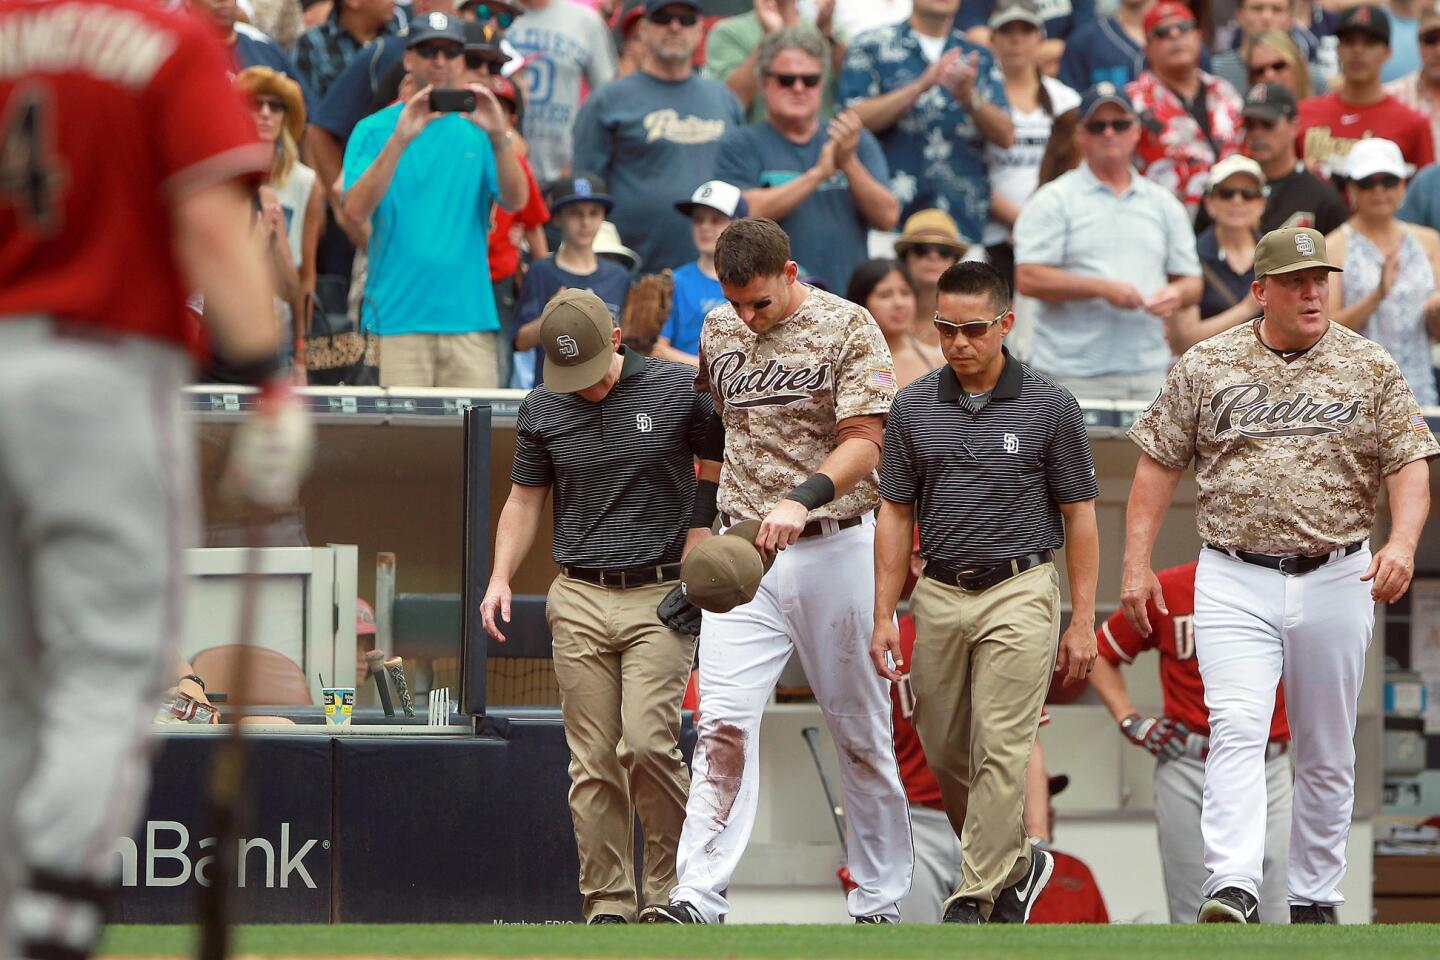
x=506 y=225
x=98 y=149
x=1327 y=126
x=1071 y=896
x=1173 y=634
x=1173 y=150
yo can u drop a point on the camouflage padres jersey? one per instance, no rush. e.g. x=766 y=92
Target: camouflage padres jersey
x=782 y=392
x=1289 y=458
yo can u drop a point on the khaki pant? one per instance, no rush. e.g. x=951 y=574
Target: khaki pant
x=622 y=676
x=461 y=360
x=979 y=671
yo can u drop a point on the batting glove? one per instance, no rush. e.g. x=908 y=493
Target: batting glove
x=1163 y=737
x=272 y=450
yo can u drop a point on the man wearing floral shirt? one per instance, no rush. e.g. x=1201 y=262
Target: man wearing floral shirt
x=1189 y=118
x=933 y=99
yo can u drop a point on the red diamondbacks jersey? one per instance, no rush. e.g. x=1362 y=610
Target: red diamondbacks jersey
x=110 y=110
x=1174 y=636
x=1071 y=896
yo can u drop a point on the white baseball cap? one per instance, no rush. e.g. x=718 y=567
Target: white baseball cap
x=717 y=195
x=1375 y=155
x=1236 y=163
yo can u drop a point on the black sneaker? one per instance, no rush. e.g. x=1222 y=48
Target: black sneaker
x=962 y=910
x=600 y=918
x=681 y=911
x=1014 y=903
x=1312 y=913
x=873 y=918
x=1230 y=905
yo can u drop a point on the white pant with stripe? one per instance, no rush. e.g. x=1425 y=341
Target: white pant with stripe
x=1254 y=626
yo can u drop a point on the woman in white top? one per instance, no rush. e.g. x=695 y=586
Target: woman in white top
x=279 y=111
x=1388 y=289
x=1017 y=31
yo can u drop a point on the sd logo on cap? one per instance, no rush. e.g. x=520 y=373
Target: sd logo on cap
x=578 y=335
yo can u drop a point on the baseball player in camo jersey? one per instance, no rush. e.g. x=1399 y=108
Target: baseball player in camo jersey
x=1180 y=741
x=129 y=164
x=802 y=381
x=1294 y=424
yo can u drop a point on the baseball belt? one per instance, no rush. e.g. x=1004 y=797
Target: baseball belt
x=984 y=576
x=626 y=577
x=1291 y=566
x=812 y=529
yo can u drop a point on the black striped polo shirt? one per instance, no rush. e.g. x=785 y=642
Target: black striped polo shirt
x=622 y=469
x=987 y=481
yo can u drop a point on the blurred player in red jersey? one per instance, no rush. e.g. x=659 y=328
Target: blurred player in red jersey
x=1072 y=895
x=126 y=177
x=1179 y=740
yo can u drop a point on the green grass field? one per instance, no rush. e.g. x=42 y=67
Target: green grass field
x=1411 y=942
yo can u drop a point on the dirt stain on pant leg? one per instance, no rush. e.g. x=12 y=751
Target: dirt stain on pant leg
x=725 y=755
x=864 y=764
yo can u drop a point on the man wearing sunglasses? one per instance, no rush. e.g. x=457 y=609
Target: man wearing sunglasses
x=994 y=463
x=322 y=51
x=733 y=45
x=1190 y=118
x=1111 y=257
x=426 y=182
x=1297 y=198
x=1360 y=107
x=825 y=184
x=655 y=135
x=568 y=51
x=1420 y=90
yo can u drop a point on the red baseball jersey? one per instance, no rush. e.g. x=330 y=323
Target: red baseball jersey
x=1071 y=896
x=920 y=784
x=1173 y=634
x=111 y=110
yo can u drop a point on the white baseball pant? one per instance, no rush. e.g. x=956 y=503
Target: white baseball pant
x=96 y=501
x=937 y=865
x=1253 y=626
x=817 y=599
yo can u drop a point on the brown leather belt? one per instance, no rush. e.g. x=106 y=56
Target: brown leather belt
x=984 y=576
x=626 y=577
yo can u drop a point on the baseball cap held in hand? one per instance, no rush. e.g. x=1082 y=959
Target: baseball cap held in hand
x=722 y=573
x=577 y=334
x=1289 y=249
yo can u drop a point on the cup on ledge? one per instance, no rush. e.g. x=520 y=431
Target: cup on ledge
x=339 y=705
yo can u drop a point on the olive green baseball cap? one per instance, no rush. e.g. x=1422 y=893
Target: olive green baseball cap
x=576 y=331
x=748 y=530
x=1289 y=249
x=722 y=573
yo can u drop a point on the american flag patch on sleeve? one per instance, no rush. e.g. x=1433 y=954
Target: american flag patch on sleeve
x=885 y=379
x=1418 y=424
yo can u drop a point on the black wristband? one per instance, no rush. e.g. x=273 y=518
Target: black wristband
x=706 y=492
x=197 y=681
x=815 y=492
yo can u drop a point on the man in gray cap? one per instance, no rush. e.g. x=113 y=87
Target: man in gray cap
x=427 y=181
x=616 y=435
x=1294 y=423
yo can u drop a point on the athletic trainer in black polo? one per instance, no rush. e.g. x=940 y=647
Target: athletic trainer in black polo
x=616 y=435
x=995 y=461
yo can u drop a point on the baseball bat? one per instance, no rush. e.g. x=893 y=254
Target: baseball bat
x=375 y=666
x=396 y=668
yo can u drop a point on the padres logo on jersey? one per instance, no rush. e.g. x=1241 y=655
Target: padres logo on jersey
x=1243 y=408
x=775 y=384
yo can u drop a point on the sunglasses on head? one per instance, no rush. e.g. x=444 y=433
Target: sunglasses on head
x=1260 y=70
x=972 y=329
x=503 y=18
x=1098 y=127
x=429 y=51
x=933 y=249
x=686 y=18
x=1386 y=180
x=273 y=104
x=810 y=80
x=1230 y=193
x=1167 y=30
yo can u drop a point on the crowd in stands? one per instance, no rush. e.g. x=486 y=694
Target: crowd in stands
x=1116 y=159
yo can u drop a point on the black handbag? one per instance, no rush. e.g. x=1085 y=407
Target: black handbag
x=336 y=353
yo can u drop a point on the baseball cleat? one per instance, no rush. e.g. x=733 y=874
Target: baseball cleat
x=1230 y=905
x=600 y=918
x=1015 y=902
x=681 y=911
x=962 y=910
x=1312 y=913
x=873 y=918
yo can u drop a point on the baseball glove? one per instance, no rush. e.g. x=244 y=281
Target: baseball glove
x=646 y=308
x=1162 y=736
x=679 y=614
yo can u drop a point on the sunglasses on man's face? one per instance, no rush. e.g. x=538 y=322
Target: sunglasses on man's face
x=1230 y=193
x=1098 y=127
x=272 y=104
x=972 y=329
x=1260 y=71
x=810 y=80
x=1386 y=181
x=429 y=51
x=502 y=17
x=1430 y=38
x=479 y=61
x=1168 y=30
x=686 y=18
x=933 y=250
